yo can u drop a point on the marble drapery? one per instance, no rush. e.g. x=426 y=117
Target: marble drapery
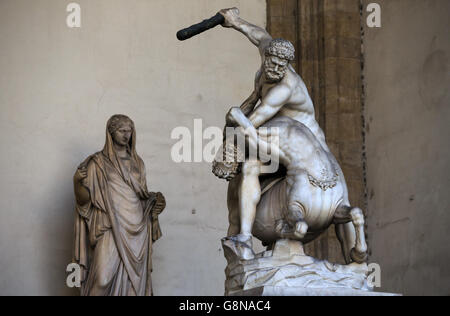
x=115 y=231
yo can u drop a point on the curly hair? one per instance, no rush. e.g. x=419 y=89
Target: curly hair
x=281 y=48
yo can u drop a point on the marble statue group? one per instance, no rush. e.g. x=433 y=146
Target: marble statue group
x=299 y=202
x=116 y=219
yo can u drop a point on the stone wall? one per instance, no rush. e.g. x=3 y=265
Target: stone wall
x=327 y=37
x=407 y=80
x=391 y=136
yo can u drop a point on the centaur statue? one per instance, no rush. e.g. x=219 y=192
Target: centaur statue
x=309 y=191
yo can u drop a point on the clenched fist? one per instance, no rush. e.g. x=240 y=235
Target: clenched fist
x=231 y=16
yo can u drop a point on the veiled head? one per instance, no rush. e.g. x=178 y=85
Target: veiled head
x=121 y=128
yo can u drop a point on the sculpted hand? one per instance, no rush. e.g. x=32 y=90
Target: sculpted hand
x=231 y=16
x=80 y=174
x=160 y=204
x=79 y=180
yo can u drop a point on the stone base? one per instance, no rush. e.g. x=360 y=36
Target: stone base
x=286 y=270
x=301 y=291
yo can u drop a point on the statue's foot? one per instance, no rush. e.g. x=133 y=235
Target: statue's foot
x=357 y=256
x=244 y=239
x=243 y=245
x=301 y=228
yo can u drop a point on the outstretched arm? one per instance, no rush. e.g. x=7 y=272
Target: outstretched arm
x=270 y=105
x=257 y=139
x=257 y=35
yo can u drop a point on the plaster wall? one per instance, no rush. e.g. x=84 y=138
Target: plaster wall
x=58 y=87
x=407 y=118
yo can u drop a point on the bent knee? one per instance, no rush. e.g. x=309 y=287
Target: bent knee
x=101 y=285
x=357 y=216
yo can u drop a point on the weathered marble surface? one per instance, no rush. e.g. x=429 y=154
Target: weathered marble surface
x=299 y=291
x=286 y=270
x=306 y=193
x=277 y=124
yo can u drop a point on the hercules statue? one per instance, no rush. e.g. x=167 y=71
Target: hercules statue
x=316 y=193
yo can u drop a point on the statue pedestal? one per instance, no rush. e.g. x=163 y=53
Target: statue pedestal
x=287 y=271
x=301 y=291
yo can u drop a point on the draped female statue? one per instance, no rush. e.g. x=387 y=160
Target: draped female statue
x=116 y=219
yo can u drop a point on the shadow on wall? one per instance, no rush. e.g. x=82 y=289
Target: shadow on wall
x=57 y=232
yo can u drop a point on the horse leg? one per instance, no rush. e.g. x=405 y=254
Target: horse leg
x=345 y=214
x=296 y=211
x=347 y=239
x=294 y=226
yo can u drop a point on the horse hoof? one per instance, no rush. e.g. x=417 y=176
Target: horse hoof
x=301 y=228
x=358 y=257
